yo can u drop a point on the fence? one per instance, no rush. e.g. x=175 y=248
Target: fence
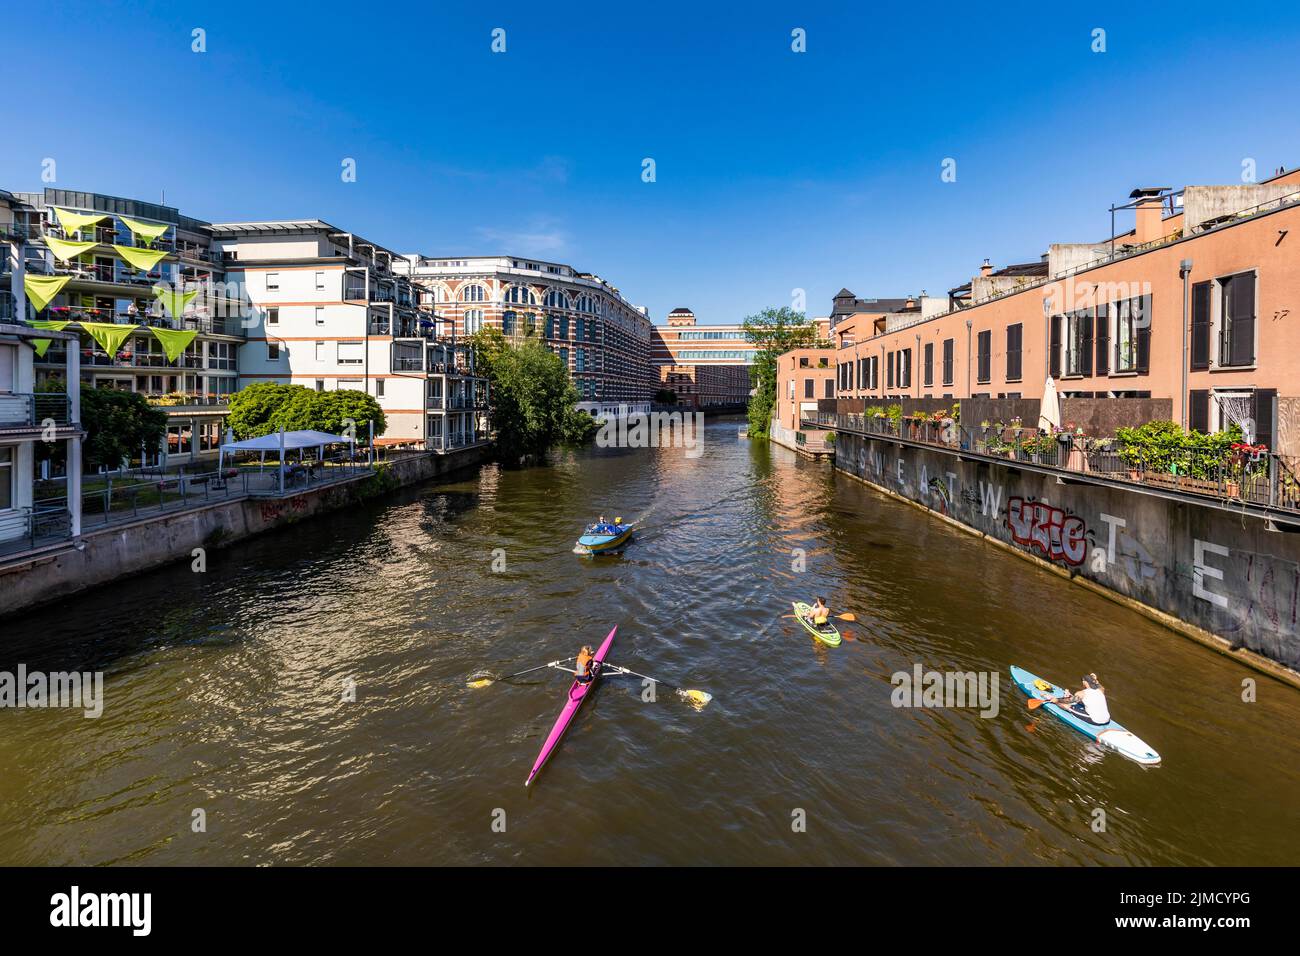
x=1267 y=480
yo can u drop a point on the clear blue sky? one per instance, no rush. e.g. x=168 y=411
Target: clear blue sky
x=775 y=170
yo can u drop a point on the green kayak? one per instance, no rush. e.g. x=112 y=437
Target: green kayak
x=827 y=633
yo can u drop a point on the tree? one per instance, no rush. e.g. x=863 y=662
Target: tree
x=665 y=396
x=344 y=412
x=533 y=399
x=118 y=425
x=774 y=332
x=251 y=407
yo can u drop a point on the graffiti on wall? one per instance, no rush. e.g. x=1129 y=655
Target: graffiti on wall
x=1053 y=532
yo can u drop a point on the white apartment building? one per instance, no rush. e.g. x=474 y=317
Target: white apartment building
x=331 y=313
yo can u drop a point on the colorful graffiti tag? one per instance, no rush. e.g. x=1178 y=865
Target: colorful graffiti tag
x=1056 y=534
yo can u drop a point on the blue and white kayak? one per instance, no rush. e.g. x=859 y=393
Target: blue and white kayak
x=1112 y=735
x=593 y=542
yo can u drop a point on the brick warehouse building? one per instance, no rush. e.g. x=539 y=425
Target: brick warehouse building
x=604 y=339
x=1196 y=304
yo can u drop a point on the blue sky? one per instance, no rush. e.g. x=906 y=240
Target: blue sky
x=775 y=170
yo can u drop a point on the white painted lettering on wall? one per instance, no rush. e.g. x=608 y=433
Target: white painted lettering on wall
x=1201 y=571
x=990 y=499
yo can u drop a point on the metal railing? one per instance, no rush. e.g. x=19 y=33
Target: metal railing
x=1265 y=479
x=35 y=527
x=34 y=410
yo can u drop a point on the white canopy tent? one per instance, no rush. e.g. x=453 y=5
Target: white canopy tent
x=281 y=443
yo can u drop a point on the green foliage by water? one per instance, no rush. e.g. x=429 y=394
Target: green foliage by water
x=1164 y=446
x=773 y=332
x=118 y=425
x=665 y=396
x=269 y=406
x=533 y=399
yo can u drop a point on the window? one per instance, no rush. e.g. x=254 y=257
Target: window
x=905 y=368
x=808 y=386
x=889 y=369
x=321 y=356
x=379 y=388
x=320 y=281
x=473 y=293
x=947 y=361
x=320 y=384
x=830 y=389
x=1015 y=340
x=320 y=315
x=273 y=351
x=508 y=323
x=272 y=316
x=564 y=326
x=1078 y=343
x=927 y=367
x=1237 y=320
x=984 y=356
x=556 y=299
x=6 y=478
x=272 y=282
x=473 y=321
x=351 y=353
x=520 y=295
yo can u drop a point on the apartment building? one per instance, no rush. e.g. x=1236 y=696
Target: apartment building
x=803 y=378
x=144 y=293
x=34 y=426
x=331 y=310
x=603 y=339
x=1195 y=303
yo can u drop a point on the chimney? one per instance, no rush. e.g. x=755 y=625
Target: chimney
x=911 y=303
x=986 y=269
x=1149 y=206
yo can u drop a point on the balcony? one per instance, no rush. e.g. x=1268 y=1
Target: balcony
x=26 y=411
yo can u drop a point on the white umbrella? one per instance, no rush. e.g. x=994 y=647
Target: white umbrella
x=1049 y=410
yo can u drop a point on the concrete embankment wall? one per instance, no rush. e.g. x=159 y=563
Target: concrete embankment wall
x=123 y=549
x=1222 y=578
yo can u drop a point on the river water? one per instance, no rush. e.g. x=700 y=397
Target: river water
x=225 y=692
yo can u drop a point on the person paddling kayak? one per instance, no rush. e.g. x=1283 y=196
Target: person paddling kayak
x=1090 y=701
x=582 y=672
x=819 y=612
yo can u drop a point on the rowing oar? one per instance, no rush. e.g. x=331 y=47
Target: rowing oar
x=489 y=679
x=697 y=697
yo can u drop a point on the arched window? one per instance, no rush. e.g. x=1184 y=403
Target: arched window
x=556 y=299
x=520 y=295
x=473 y=321
x=585 y=303
x=473 y=293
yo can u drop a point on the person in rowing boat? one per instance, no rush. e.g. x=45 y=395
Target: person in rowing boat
x=601 y=526
x=1090 y=701
x=582 y=673
x=820 y=613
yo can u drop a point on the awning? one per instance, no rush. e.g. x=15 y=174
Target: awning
x=73 y=222
x=142 y=259
x=148 y=231
x=174 y=342
x=65 y=250
x=109 y=335
x=292 y=441
x=174 y=302
x=42 y=289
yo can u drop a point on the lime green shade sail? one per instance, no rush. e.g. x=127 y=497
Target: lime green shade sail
x=148 y=231
x=75 y=221
x=174 y=302
x=142 y=259
x=174 y=342
x=65 y=250
x=42 y=289
x=109 y=335
x=56 y=325
x=41 y=345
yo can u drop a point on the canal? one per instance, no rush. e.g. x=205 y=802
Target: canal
x=225 y=692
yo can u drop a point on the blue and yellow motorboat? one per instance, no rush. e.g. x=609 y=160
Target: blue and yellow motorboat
x=600 y=538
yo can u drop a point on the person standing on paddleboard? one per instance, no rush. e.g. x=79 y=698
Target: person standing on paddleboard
x=582 y=672
x=1090 y=701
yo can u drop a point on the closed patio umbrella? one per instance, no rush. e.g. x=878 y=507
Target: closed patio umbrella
x=1049 y=410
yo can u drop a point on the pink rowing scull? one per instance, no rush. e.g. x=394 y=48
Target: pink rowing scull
x=577 y=694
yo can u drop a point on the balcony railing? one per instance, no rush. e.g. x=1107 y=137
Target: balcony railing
x=1266 y=480
x=34 y=410
x=28 y=528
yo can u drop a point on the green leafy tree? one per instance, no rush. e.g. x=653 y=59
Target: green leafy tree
x=773 y=332
x=533 y=399
x=251 y=407
x=665 y=396
x=334 y=412
x=118 y=424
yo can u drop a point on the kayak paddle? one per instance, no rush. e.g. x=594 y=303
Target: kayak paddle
x=697 y=697
x=1036 y=702
x=486 y=679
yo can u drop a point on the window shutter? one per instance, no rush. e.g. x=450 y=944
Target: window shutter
x=1242 y=306
x=1054 y=367
x=929 y=363
x=1198 y=409
x=1265 y=415
x=1103 y=339
x=1200 y=358
x=889 y=369
x=1142 y=335
x=1085 y=346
